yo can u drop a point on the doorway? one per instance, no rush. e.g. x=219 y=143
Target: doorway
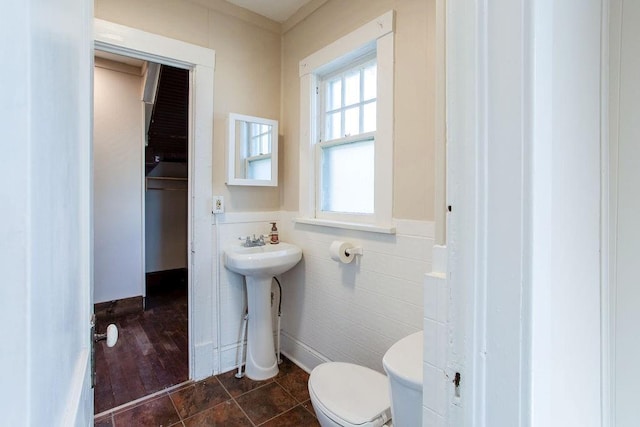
x=199 y=61
x=140 y=227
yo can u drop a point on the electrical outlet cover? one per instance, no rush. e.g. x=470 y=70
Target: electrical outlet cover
x=218 y=204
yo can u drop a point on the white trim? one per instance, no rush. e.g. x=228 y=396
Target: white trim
x=148 y=46
x=348 y=47
x=231 y=151
x=611 y=27
x=405 y=227
x=462 y=93
x=300 y=353
x=149 y=397
x=611 y=65
x=143 y=205
x=308 y=135
x=384 y=131
x=347 y=225
x=116 y=38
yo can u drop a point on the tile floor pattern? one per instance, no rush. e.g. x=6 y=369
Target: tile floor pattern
x=225 y=401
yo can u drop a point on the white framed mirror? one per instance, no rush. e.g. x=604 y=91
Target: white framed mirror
x=252 y=151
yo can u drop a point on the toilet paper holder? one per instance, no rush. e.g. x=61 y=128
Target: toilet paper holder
x=344 y=252
x=353 y=251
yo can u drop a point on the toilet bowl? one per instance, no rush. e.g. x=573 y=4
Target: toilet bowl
x=349 y=395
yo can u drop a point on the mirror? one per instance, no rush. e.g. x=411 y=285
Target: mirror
x=252 y=144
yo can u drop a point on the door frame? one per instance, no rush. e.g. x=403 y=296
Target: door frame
x=508 y=353
x=200 y=61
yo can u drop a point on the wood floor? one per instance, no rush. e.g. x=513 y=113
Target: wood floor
x=152 y=349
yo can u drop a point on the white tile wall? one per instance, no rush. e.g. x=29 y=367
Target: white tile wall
x=436 y=383
x=353 y=312
x=330 y=311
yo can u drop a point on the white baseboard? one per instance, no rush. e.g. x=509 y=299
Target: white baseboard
x=300 y=354
x=229 y=357
x=205 y=361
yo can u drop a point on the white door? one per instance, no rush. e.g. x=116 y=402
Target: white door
x=45 y=98
x=626 y=217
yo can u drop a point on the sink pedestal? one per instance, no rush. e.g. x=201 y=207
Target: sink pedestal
x=259 y=264
x=261 y=354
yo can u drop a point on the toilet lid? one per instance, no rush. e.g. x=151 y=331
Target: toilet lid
x=403 y=361
x=351 y=394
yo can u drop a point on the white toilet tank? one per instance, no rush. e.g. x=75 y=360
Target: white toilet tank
x=403 y=365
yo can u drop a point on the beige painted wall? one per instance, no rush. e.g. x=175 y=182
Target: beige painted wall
x=247 y=76
x=117 y=182
x=414 y=132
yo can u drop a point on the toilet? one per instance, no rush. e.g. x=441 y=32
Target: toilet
x=349 y=395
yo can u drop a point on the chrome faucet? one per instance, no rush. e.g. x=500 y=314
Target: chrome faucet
x=252 y=242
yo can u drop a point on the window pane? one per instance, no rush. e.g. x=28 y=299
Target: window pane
x=352 y=121
x=259 y=169
x=333 y=130
x=369 y=119
x=254 y=148
x=265 y=146
x=370 y=81
x=352 y=88
x=334 y=95
x=348 y=178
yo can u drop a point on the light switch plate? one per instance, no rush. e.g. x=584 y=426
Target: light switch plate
x=218 y=204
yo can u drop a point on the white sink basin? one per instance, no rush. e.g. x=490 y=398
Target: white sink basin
x=259 y=264
x=268 y=260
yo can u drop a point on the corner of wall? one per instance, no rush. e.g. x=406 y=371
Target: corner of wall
x=435 y=378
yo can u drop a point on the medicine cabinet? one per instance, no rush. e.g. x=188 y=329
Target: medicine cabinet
x=252 y=151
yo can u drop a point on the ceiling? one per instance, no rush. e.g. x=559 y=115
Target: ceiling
x=277 y=10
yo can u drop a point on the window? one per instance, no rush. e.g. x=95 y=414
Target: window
x=346 y=152
x=347 y=124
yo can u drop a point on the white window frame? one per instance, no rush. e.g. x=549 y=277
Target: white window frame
x=378 y=36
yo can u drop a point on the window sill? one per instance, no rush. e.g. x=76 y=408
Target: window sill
x=347 y=225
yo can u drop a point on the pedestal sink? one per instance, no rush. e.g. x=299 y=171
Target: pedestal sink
x=259 y=264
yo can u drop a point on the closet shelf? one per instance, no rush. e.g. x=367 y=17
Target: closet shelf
x=167 y=178
x=156 y=183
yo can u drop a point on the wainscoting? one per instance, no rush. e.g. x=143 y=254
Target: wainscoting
x=330 y=311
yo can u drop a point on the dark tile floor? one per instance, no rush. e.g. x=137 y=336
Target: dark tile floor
x=224 y=400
